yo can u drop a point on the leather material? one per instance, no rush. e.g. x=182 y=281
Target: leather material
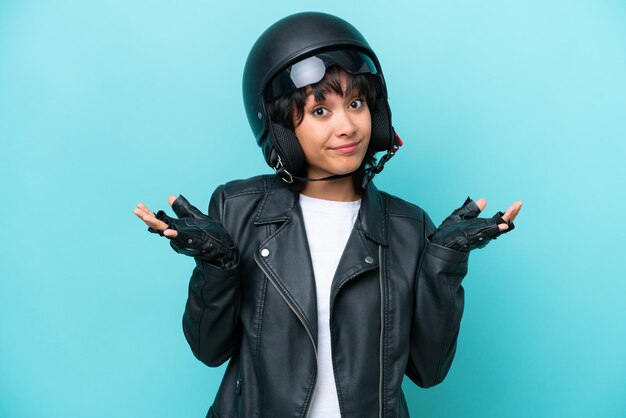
x=464 y=231
x=198 y=235
x=396 y=306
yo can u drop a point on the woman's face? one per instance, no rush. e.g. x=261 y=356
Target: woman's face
x=334 y=133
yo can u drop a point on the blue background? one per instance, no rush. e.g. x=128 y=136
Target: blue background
x=106 y=104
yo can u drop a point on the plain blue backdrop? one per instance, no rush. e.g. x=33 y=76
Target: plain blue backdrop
x=106 y=104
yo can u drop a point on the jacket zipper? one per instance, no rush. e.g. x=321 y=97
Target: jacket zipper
x=269 y=277
x=382 y=331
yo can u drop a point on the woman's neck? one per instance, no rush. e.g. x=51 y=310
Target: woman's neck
x=341 y=190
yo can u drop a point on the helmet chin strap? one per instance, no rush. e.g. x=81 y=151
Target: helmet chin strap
x=329 y=178
x=287 y=177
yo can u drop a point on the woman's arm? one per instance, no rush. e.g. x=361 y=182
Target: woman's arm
x=438 y=310
x=439 y=295
x=211 y=317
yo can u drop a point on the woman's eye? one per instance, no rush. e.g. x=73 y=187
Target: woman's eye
x=320 y=111
x=356 y=103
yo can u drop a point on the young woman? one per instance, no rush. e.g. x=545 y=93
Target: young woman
x=321 y=291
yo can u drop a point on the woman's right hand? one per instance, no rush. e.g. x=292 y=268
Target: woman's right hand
x=193 y=233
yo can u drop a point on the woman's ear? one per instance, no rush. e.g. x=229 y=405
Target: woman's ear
x=288 y=148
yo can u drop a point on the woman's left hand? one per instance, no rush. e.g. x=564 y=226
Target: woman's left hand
x=464 y=231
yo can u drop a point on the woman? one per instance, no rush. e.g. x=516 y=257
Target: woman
x=320 y=290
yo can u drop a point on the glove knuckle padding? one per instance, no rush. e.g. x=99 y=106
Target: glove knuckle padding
x=464 y=231
x=202 y=237
x=469 y=210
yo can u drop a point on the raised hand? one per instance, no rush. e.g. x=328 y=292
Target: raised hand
x=193 y=233
x=464 y=231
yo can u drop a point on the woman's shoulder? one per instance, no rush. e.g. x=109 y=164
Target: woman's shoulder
x=239 y=196
x=241 y=187
x=399 y=207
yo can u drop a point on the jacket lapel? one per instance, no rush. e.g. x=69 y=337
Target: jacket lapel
x=361 y=252
x=285 y=254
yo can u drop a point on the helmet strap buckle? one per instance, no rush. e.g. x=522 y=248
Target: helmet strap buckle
x=279 y=168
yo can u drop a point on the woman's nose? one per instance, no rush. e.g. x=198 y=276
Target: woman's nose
x=345 y=125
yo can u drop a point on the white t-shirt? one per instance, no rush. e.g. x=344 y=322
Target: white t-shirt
x=328 y=225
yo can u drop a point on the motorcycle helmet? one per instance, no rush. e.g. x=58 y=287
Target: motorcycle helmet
x=295 y=52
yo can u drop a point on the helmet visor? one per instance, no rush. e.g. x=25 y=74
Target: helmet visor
x=312 y=69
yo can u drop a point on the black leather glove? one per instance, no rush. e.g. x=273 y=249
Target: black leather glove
x=463 y=231
x=199 y=235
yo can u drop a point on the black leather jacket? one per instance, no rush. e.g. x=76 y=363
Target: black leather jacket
x=396 y=306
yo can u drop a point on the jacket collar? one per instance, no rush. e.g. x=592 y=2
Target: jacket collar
x=279 y=202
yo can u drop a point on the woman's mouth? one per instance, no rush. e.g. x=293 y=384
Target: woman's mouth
x=346 y=148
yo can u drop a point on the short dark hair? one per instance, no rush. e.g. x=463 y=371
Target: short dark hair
x=284 y=108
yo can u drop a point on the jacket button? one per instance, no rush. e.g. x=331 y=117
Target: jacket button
x=265 y=252
x=238 y=387
x=369 y=260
